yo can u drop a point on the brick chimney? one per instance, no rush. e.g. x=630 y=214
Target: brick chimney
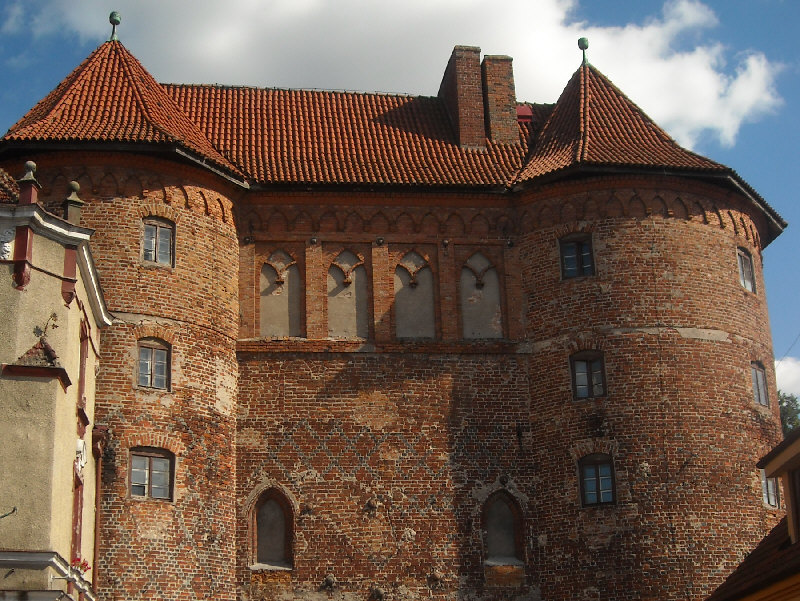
x=462 y=94
x=499 y=99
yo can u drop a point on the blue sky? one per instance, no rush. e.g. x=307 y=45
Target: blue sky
x=721 y=76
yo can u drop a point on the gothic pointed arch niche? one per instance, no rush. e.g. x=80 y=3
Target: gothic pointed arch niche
x=272 y=527
x=503 y=528
x=414 y=314
x=348 y=302
x=481 y=314
x=280 y=298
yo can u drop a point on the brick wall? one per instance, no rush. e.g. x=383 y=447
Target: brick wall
x=386 y=450
x=336 y=424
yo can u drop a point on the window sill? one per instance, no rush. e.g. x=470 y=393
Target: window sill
x=503 y=561
x=270 y=567
x=146 y=499
x=152 y=389
x=154 y=265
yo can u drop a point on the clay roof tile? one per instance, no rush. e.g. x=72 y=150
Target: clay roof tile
x=111 y=97
x=595 y=124
x=9 y=190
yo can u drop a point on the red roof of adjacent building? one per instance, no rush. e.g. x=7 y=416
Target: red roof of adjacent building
x=595 y=124
x=110 y=97
x=773 y=560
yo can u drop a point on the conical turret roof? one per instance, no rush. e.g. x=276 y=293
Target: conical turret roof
x=595 y=124
x=111 y=97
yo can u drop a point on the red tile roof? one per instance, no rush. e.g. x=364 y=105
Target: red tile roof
x=301 y=136
x=9 y=190
x=595 y=124
x=774 y=559
x=110 y=97
x=270 y=136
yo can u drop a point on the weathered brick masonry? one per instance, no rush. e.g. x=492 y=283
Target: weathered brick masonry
x=382 y=454
x=153 y=550
x=429 y=430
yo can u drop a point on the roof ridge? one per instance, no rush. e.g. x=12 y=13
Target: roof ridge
x=583 y=127
x=143 y=105
x=222 y=86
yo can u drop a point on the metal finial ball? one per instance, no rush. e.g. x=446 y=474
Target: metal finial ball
x=74 y=186
x=583 y=43
x=30 y=166
x=114 y=18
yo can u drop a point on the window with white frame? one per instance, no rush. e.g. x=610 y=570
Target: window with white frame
x=158 y=241
x=151 y=473
x=153 y=365
x=597 y=479
x=770 y=491
x=746 y=272
x=759 y=384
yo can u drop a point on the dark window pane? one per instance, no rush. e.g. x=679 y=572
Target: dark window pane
x=500 y=535
x=271 y=531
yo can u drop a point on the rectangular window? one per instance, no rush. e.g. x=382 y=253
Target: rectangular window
x=151 y=473
x=746 y=277
x=587 y=375
x=153 y=366
x=576 y=256
x=769 y=490
x=158 y=242
x=759 y=384
x=597 y=479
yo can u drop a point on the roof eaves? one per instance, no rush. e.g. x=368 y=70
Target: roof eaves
x=14 y=147
x=777 y=223
x=489 y=188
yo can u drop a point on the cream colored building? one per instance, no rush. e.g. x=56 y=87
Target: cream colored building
x=52 y=309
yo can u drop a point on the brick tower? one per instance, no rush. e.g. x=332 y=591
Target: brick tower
x=167 y=251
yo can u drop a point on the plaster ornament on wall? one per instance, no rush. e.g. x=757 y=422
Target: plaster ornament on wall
x=6 y=243
x=81 y=457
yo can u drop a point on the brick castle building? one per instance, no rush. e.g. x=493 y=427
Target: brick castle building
x=375 y=346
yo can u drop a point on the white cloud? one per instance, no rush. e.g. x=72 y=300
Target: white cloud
x=669 y=64
x=787 y=373
x=12 y=18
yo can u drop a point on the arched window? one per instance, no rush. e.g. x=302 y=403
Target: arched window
x=502 y=521
x=481 y=316
x=413 y=298
x=273 y=530
x=597 y=479
x=348 y=312
x=280 y=303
